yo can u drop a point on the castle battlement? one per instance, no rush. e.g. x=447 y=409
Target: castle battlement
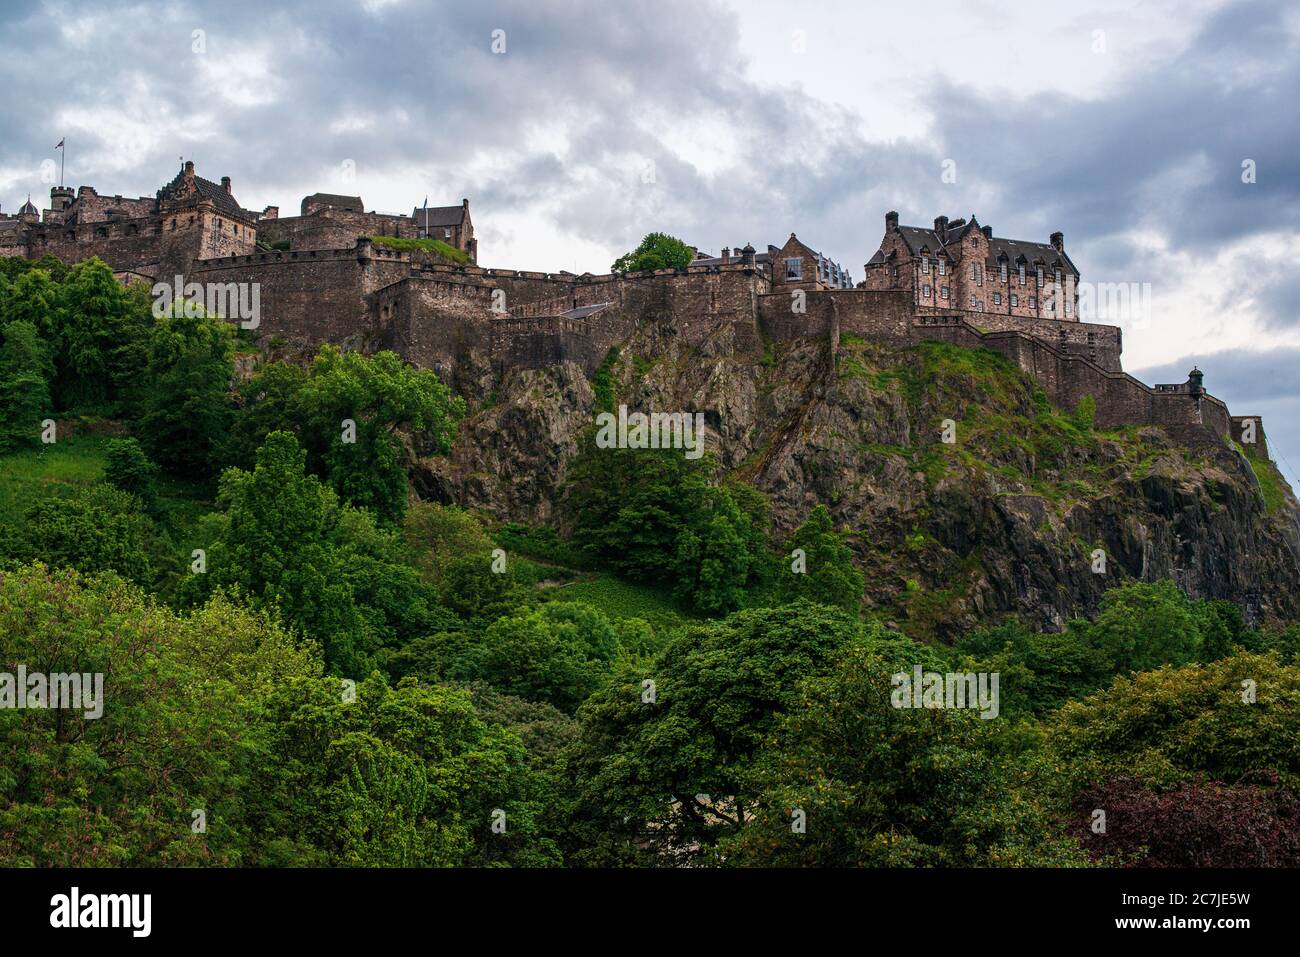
x=954 y=282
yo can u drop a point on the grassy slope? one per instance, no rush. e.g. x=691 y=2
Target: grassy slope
x=76 y=462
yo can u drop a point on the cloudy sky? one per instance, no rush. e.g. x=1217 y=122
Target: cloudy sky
x=576 y=127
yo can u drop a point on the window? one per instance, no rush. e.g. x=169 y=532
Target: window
x=997 y=299
x=925 y=263
x=943 y=292
x=794 y=268
x=1033 y=302
x=446 y=234
x=1020 y=274
x=926 y=292
x=1069 y=307
x=943 y=268
x=1015 y=300
x=979 y=305
x=1002 y=271
x=1040 y=277
x=978 y=271
x=1057 y=274
x=972 y=302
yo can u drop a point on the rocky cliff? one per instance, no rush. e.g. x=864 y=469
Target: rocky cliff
x=1007 y=519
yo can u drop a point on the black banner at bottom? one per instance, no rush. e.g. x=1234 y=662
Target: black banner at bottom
x=336 y=906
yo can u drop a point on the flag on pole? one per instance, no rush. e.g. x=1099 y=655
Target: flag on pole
x=60 y=144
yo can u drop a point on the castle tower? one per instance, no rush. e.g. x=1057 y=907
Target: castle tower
x=61 y=198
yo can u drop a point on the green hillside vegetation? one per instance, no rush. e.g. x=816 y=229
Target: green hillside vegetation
x=350 y=676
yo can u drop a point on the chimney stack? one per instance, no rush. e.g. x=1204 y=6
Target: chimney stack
x=941 y=227
x=726 y=255
x=891 y=222
x=225 y=184
x=987 y=231
x=1058 y=241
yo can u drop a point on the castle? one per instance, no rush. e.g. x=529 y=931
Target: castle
x=330 y=274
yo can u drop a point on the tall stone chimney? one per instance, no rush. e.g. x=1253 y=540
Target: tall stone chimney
x=1058 y=242
x=941 y=227
x=891 y=222
x=225 y=184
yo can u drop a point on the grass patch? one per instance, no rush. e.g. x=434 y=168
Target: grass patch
x=1270 y=485
x=76 y=462
x=620 y=599
x=445 y=250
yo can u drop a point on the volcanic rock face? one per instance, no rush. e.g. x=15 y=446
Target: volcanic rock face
x=1008 y=519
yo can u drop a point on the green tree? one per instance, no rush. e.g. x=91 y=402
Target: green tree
x=381 y=397
x=662 y=770
x=828 y=573
x=391 y=777
x=187 y=410
x=874 y=785
x=33 y=298
x=557 y=654
x=284 y=541
x=266 y=404
x=657 y=251
x=653 y=516
x=180 y=705
x=25 y=373
x=99 y=329
x=97 y=529
x=129 y=469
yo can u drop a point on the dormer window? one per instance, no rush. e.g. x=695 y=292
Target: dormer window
x=925 y=263
x=943 y=267
x=1002 y=270
x=794 y=268
x=1040 y=275
x=1020 y=273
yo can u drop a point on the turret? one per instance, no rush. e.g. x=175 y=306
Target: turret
x=61 y=198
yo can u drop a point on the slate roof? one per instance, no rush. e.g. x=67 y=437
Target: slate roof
x=440 y=216
x=582 y=312
x=919 y=237
x=335 y=199
x=211 y=191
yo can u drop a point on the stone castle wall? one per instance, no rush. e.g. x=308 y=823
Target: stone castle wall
x=313 y=296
